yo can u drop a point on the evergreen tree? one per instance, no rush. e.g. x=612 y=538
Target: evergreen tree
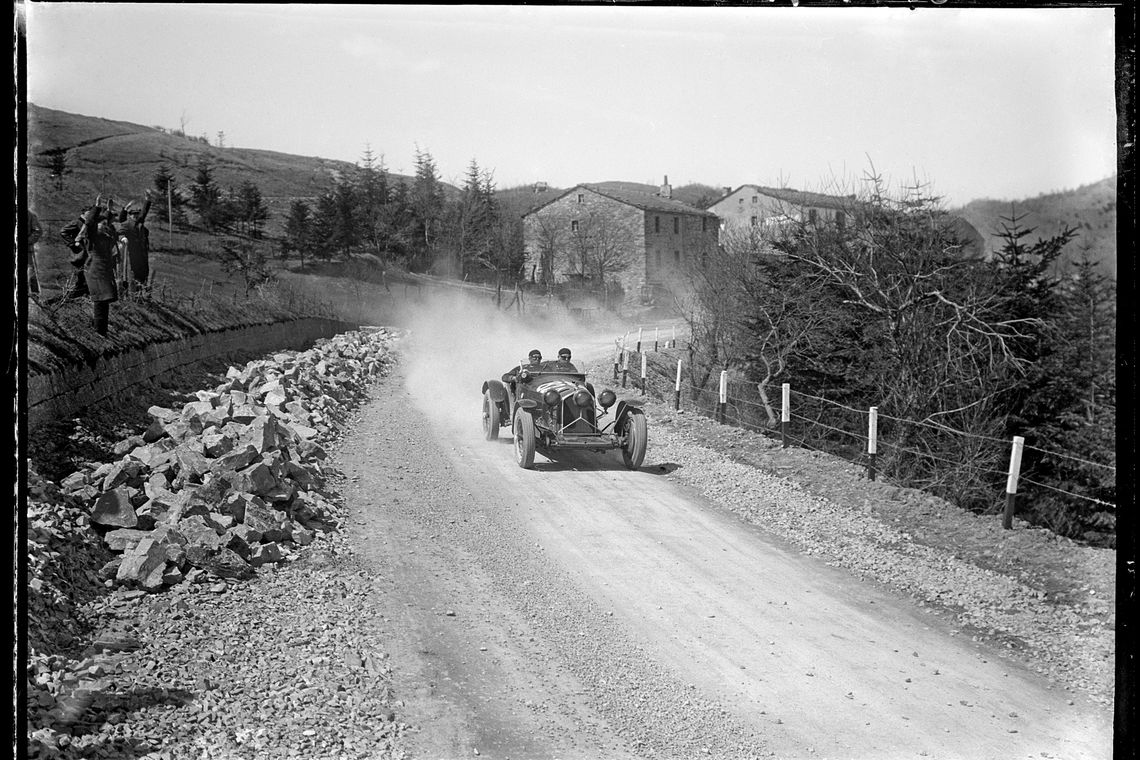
x=250 y=208
x=298 y=231
x=206 y=197
x=426 y=204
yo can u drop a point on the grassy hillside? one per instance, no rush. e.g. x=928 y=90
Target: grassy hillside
x=1090 y=208
x=120 y=159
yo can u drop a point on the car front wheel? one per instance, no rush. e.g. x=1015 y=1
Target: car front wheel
x=524 y=439
x=636 y=438
x=490 y=417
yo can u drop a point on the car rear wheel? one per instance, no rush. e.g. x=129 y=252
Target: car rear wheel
x=490 y=417
x=636 y=438
x=524 y=439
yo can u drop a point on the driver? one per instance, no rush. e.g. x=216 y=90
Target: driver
x=563 y=364
x=534 y=360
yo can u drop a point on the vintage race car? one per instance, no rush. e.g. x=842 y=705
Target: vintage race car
x=550 y=410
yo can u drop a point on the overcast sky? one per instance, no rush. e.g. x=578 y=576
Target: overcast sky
x=977 y=103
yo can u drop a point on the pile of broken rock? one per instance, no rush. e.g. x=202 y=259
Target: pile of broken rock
x=233 y=480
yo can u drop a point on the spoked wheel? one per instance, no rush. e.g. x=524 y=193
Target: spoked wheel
x=636 y=438
x=524 y=439
x=490 y=417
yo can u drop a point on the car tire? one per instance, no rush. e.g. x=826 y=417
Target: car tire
x=524 y=439
x=490 y=417
x=636 y=438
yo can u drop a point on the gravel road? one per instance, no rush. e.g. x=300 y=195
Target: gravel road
x=730 y=600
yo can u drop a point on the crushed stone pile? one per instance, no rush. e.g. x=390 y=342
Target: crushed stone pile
x=234 y=482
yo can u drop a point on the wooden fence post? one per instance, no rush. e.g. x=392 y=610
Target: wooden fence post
x=644 y=382
x=677 y=388
x=674 y=343
x=785 y=411
x=624 y=367
x=720 y=408
x=872 y=440
x=617 y=361
x=1011 y=482
x=639 y=340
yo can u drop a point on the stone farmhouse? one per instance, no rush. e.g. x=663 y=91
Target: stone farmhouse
x=759 y=206
x=612 y=240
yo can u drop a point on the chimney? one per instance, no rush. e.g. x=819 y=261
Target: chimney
x=666 y=188
x=728 y=191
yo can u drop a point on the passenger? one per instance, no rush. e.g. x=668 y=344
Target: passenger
x=563 y=364
x=534 y=363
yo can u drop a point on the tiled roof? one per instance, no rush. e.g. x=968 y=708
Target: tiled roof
x=797 y=197
x=643 y=201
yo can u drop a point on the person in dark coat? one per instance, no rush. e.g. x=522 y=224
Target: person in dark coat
x=133 y=228
x=533 y=363
x=99 y=269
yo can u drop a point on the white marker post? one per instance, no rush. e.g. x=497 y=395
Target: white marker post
x=643 y=375
x=624 y=367
x=677 y=388
x=674 y=343
x=639 y=340
x=656 y=335
x=1011 y=482
x=872 y=439
x=720 y=409
x=785 y=411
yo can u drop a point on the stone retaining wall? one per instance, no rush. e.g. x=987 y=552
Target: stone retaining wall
x=61 y=394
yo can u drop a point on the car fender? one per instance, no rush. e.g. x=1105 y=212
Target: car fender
x=621 y=411
x=497 y=390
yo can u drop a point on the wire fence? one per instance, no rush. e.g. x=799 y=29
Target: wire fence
x=927 y=454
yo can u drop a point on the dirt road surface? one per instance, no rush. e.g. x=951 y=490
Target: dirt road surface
x=581 y=610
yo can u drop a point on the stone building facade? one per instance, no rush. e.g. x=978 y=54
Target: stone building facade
x=597 y=236
x=759 y=206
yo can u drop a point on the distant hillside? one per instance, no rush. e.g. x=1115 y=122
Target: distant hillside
x=120 y=159
x=1090 y=208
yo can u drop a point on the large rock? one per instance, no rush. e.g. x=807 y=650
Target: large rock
x=220 y=561
x=113 y=508
x=154 y=454
x=257 y=479
x=272 y=524
x=237 y=459
x=263 y=554
x=140 y=564
x=198 y=532
x=217 y=444
x=124 y=539
x=262 y=434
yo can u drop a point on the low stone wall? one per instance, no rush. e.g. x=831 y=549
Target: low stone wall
x=62 y=394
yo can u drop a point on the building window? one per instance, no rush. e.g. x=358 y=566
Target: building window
x=677 y=258
x=840 y=219
x=656 y=224
x=742 y=201
x=755 y=221
x=574 y=226
x=704 y=224
x=581 y=197
x=813 y=216
x=755 y=199
x=676 y=225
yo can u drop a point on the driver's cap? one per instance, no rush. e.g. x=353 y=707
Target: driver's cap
x=534 y=354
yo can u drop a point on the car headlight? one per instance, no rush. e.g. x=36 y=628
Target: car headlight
x=582 y=398
x=551 y=397
x=607 y=398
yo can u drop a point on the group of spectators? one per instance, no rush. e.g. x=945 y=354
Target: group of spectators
x=100 y=240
